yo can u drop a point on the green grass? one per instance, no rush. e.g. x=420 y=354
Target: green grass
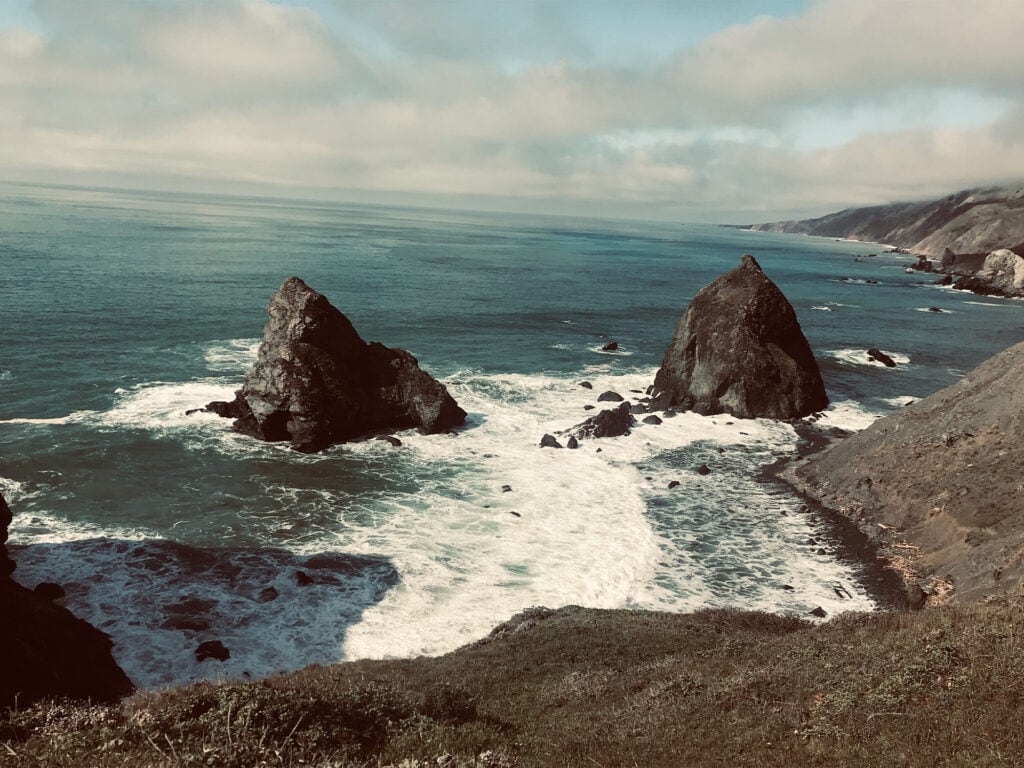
x=943 y=687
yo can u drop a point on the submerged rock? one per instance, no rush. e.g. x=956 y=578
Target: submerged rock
x=739 y=349
x=611 y=346
x=212 y=649
x=317 y=383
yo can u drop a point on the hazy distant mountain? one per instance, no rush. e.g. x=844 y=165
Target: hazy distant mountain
x=974 y=221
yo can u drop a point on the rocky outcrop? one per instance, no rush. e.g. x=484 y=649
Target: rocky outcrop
x=612 y=422
x=45 y=652
x=316 y=382
x=739 y=349
x=939 y=482
x=881 y=357
x=1001 y=274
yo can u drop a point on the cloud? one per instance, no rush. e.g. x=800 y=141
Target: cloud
x=849 y=101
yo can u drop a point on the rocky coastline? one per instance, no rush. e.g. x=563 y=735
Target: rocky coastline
x=975 y=237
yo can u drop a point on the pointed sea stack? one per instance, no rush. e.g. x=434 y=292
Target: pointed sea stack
x=739 y=349
x=317 y=383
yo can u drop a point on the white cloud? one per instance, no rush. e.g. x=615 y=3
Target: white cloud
x=853 y=101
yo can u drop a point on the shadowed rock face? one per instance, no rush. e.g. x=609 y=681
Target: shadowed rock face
x=45 y=651
x=6 y=564
x=739 y=349
x=317 y=383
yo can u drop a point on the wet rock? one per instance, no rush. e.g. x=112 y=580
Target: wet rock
x=233 y=409
x=936 y=310
x=588 y=407
x=637 y=409
x=703 y=469
x=185 y=624
x=212 y=649
x=788 y=587
x=572 y=442
x=49 y=591
x=608 y=423
x=673 y=484
x=819 y=612
x=303 y=579
x=669 y=414
x=514 y=513
x=317 y=383
x=506 y=489
x=549 y=441
x=739 y=349
x=391 y=439
x=652 y=419
x=6 y=563
x=586 y=385
x=880 y=356
x=945 y=280
x=611 y=346
x=609 y=397
x=268 y=594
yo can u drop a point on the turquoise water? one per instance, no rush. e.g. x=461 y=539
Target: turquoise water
x=122 y=310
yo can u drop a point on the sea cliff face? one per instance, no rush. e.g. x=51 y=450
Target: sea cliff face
x=939 y=483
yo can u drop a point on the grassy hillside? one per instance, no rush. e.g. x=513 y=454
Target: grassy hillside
x=597 y=688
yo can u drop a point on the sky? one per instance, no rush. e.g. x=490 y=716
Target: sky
x=691 y=110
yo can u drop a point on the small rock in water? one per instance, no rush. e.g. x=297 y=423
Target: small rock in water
x=652 y=419
x=572 y=442
x=611 y=346
x=637 y=409
x=880 y=356
x=212 y=649
x=821 y=551
x=668 y=414
x=588 y=407
x=549 y=441
x=514 y=513
x=673 y=483
x=268 y=594
x=506 y=489
x=609 y=397
x=586 y=385
x=788 y=587
x=303 y=579
x=935 y=309
x=819 y=612
x=703 y=469
x=389 y=439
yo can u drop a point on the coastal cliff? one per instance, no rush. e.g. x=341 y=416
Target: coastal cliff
x=972 y=221
x=938 y=484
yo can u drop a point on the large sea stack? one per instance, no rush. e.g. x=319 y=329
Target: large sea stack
x=317 y=383
x=739 y=349
x=45 y=651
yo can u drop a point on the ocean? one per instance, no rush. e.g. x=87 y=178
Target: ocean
x=122 y=310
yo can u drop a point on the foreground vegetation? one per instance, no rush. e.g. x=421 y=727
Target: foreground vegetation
x=942 y=687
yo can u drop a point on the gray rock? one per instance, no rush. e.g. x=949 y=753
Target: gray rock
x=652 y=419
x=572 y=442
x=586 y=385
x=549 y=441
x=739 y=349
x=609 y=397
